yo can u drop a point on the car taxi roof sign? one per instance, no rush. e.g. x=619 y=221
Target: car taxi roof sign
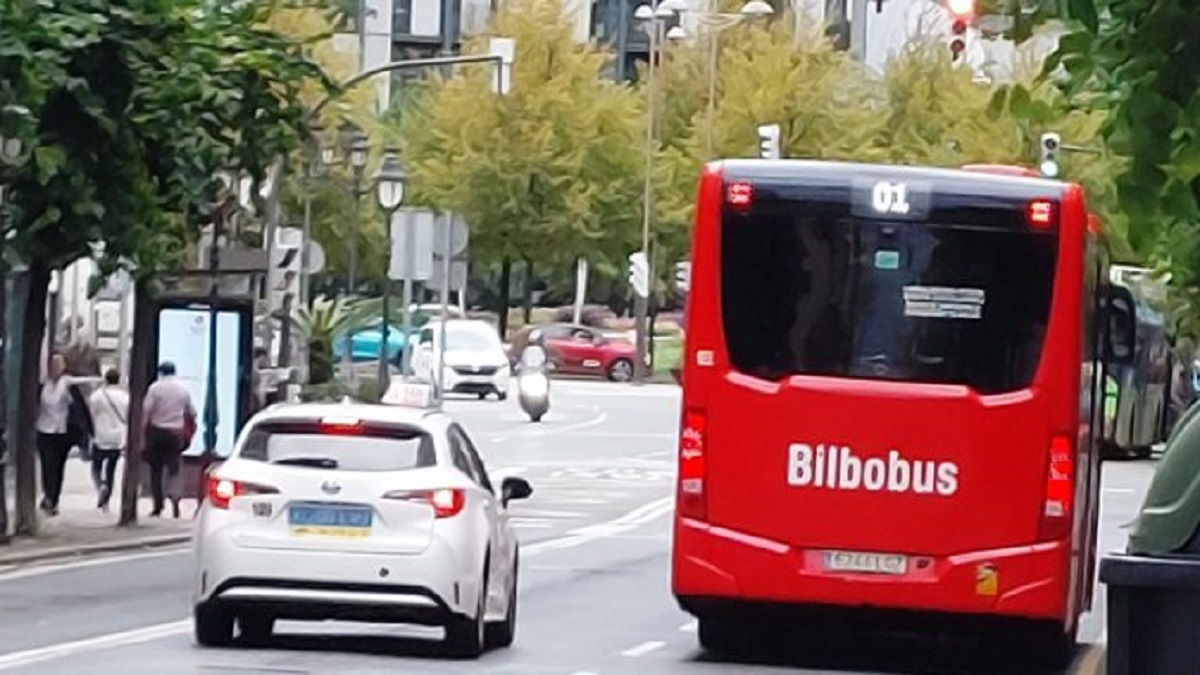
x=408 y=394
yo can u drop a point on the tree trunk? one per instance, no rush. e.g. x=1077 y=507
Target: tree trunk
x=527 y=301
x=505 y=282
x=33 y=327
x=140 y=368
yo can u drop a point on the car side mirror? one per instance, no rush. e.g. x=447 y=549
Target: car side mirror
x=514 y=487
x=1120 y=326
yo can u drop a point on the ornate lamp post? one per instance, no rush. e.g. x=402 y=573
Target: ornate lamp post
x=389 y=184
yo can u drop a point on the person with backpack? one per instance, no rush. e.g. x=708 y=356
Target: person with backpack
x=109 y=405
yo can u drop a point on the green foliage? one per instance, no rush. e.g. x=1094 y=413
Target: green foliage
x=132 y=107
x=550 y=170
x=1137 y=62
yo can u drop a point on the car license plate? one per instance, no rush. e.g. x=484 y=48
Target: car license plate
x=329 y=520
x=867 y=563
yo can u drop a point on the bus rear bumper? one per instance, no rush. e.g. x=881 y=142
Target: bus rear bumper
x=715 y=567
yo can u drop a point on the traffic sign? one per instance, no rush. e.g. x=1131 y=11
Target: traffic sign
x=459 y=235
x=639 y=274
x=314 y=259
x=418 y=223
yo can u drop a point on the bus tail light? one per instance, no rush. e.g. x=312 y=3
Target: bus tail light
x=693 y=468
x=1060 y=489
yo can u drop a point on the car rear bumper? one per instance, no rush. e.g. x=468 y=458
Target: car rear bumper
x=714 y=567
x=420 y=588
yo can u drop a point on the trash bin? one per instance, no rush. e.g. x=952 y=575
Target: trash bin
x=1154 y=588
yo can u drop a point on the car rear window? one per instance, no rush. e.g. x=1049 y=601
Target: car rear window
x=808 y=288
x=366 y=449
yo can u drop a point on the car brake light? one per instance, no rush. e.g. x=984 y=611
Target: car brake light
x=1060 y=489
x=739 y=195
x=1039 y=214
x=341 y=426
x=692 y=465
x=222 y=490
x=446 y=502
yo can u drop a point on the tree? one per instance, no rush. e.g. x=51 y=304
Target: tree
x=547 y=172
x=333 y=199
x=1137 y=62
x=130 y=109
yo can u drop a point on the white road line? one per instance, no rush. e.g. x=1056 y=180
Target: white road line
x=690 y=627
x=643 y=649
x=583 y=535
x=129 y=637
x=1119 y=491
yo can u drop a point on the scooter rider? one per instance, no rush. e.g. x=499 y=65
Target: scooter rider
x=533 y=383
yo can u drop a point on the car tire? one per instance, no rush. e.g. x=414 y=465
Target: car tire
x=503 y=633
x=466 y=637
x=482 y=395
x=255 y=627
x=502 y=395
x=213 y=626
x=620 y=370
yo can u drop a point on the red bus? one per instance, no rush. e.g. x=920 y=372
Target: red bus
x=891 y=379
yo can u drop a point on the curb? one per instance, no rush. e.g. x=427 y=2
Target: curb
x=1091 y=661
x=86 y=550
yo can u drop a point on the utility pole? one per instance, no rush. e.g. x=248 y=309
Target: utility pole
x=858 y=29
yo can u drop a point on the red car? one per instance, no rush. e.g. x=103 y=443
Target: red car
x=579 y=350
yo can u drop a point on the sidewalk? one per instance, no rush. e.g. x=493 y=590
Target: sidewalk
x=82 y=529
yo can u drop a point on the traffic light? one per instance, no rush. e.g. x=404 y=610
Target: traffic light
x=768 y=141
x=1051 y=143
x=962 y=13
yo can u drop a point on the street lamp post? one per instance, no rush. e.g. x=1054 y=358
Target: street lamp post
x=318 y=158
x=354 y=144
x=389 y=184
x=654 y=19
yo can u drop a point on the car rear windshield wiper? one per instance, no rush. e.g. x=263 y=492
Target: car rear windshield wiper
x=316 y=462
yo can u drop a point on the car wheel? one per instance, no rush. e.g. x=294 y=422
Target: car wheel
x=482 y=395
x=620 y=370
x=256 y=628
x=502 y=395
x=503 y=633
x=466 y=637
x=213 y=626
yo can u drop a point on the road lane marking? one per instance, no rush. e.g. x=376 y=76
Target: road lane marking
x=129 y=637
x=690 y=627
x=643 y=649
x=584 y=535
x=1091 y=663
x=1119 y=491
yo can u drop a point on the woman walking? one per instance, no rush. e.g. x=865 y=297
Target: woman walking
x=63 y=422
x=110 y=411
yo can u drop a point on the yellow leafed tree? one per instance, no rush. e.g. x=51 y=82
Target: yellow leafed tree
x=547 y=172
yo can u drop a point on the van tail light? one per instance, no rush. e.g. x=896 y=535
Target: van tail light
x=693 y=468
x=1060 y=490
x=221 y=491
x=446 y=502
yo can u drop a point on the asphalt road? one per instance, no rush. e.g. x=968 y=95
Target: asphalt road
x=595 y=597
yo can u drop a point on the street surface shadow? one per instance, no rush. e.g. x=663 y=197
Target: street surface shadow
x=365 y=645
x=893 y=653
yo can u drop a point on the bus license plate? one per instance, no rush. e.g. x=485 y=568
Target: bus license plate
x=868 y=563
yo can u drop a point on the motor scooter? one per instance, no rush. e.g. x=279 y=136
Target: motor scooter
x=533 y=382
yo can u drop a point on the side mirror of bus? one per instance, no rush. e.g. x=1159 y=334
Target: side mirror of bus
x=1120 y=329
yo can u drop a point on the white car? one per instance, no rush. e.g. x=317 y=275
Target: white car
x=360 y=513
x=475 y=360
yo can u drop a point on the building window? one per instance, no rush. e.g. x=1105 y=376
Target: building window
x=402 y=17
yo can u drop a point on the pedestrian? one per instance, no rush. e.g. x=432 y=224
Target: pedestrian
x=63 y=422
x=170 y=423
x=110 y=413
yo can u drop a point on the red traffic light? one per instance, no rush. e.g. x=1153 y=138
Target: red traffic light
x=961 y=7
x=959 y=27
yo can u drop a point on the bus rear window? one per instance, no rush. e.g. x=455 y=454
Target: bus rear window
x=807 y=289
